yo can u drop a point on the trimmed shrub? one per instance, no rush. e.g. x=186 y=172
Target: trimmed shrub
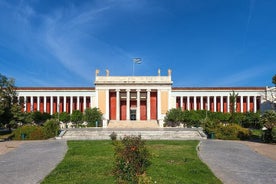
x=232 y=132
x=29 y=132
x=131 y=160
x=113 y=136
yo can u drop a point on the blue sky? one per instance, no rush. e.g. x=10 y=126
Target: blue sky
x=205 y=42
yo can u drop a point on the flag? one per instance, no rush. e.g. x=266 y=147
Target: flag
x=137 y=60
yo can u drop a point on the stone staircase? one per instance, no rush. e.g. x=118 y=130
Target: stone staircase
x=148 y=134
x=132 y=124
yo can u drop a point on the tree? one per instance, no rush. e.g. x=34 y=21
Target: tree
x=64 y=117
x=77 y=117
x=269 y=121
x=233 y=105
x=274 y=80
x=91 y=116
x=9 y=105
x=40 y=118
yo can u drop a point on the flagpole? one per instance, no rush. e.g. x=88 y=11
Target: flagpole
x=135 y=61
x=133 y=68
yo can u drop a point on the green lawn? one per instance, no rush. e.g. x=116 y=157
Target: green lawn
x=173 y=162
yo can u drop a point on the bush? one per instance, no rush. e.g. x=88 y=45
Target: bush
x=51 y=128
x=131 y=160
x=232 y=132
x=29 y=132
x=113 y=136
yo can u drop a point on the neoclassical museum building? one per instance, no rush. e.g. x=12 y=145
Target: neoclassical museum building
x=139 y=98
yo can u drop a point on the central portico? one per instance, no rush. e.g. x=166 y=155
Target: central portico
x=133 y=98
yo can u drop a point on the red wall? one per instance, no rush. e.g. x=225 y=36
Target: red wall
x=153 y=104
x=123 y=110
x=143 y=110
x=112 y=106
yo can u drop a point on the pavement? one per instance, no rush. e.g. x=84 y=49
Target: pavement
x=235 y=163
x=31 y=161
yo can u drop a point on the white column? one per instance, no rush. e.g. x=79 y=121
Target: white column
x=248 y=103
x=255 y=103
x=38 y=103
x=208 y=103
x=78 y=103
x=32 y=103
x=241 y=101
x=148 y=104
x=106 y=104
x=58 y=104
x=201 y=102
x=64 y=104
x=44 y=104
x=188 y=103
x=221 y=103
x=181 y=102
x=117 y=104
x=84 y=103
x=91 y=101
x=158 y=104
x=25 y=103
x=228 y=104
x=51 y=105
x=71 y=104
x=138 y=105
x=128 y=104
x=195 y=103
x=215 y=104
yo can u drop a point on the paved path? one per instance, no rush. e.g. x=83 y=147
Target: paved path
x=31 y=161
x=236 y=163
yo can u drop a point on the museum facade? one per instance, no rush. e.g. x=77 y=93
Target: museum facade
x=138 y=98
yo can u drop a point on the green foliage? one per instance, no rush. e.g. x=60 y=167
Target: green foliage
x=173 y=117
x=77 y=116
x=51 y=128
x=274 y=79
x=269 y=119
x=251 y=120
x=64 y=117
x=8 y=100
x=91 y=116
x=39 y=117
x=30 y=132
x=233 y=101
x=131 y=159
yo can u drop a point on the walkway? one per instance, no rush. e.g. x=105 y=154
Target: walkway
x=31 y=161
x=235 y=163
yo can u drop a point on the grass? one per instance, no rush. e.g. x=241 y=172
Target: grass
x=92 y=161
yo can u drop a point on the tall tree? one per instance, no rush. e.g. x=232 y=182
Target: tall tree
x=9 y=106
x=233 y=105
x=91 y=116
x=77 y=117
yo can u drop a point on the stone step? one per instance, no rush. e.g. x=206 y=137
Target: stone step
x=149 y=134
x=133 y=124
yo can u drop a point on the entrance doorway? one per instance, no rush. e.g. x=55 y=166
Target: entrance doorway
x=132 y=114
